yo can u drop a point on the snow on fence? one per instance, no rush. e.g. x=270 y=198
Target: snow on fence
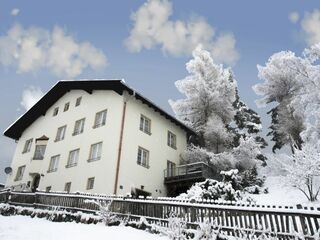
x=284 y=221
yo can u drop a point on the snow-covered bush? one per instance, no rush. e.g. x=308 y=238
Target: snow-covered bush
x=107 y=216
x=54 y=215
x=176 y=227
x=208 y=231
x=212 y=189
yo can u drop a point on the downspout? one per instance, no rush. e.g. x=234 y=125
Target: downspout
x=120 y=144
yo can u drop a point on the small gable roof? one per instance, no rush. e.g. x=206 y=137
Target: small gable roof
x=59 y=89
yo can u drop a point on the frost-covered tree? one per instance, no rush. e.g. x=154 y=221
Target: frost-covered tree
x=292 y=84
x=210 y=92
x=212 y=107
x=302 y=170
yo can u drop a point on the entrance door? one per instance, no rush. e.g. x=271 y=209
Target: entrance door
x=35 y=184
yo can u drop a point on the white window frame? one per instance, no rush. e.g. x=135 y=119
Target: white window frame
x=143 y=157
x=100 y=118
x=61 y=132
x=55 y=111
x=172 y=140
x=39 y=156
x=27 y=145
x=20 y=172
x=78 y=126
x=145 y=124
x=67 y=187
x=90 y=183
x=66 y=106
x=78 y=101
x=73 y=158
x=95 y=152
x=54 y=162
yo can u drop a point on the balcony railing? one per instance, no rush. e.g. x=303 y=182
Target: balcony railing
x=199 y=170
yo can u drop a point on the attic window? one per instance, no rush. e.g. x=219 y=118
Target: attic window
x=66 y=107
x=55 y=111
x=78 y=101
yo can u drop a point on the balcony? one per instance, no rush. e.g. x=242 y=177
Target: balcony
x=188 y=173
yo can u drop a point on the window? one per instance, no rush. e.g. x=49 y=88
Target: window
x=54 y=161
x=27 y=146
x=95 y=152
x=48 y=189
x=66 y=107
x=145 y=124
x=73 y=158
x=78 y=127
x=100 y=119
x=55 y=111
x=39 y=152
x=20 y=173
x=172 y=140
x=143 y=157
x=60 y=133
x=67 y=187
x=90 y=183
x=171 y=167
x=78 y=101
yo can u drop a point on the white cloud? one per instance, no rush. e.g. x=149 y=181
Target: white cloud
x=15 y=11
x=153 y=27
x=294 y=17
x=311 y=27
x=30 y=96
x=32 y=49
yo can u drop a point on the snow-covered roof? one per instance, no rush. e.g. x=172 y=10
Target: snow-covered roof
x=60 y=88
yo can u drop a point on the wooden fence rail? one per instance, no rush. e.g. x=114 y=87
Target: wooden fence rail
x=284 y=221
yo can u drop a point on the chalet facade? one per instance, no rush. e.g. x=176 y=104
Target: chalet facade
x=96 y=136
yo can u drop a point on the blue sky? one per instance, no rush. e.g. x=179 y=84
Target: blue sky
x=246 y=33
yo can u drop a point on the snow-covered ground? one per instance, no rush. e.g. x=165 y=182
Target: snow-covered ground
x=26 y=228
x=281 y=195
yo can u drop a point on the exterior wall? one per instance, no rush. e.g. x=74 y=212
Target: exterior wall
x=151 y=178
x=103 y=170
x=131 y=175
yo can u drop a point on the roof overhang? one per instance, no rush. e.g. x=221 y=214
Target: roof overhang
x=57 y=91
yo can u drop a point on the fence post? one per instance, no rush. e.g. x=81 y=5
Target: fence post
x=193 y=214
x=35 y=199
x=8 y=195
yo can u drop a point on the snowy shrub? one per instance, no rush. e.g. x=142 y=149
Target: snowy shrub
x=176 y=229
x=212 y=189
x=54 y=215
x=208 y=231
x=253 y=235
x=107 y=216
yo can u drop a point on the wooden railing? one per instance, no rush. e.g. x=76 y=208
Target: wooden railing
x=284 y=221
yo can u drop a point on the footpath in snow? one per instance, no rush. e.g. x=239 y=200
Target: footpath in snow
x=26 y=228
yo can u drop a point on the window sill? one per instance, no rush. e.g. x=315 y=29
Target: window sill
x=149 y=133
x=93 y=159
x=98 y=125
x=58 y=140
x=76 y=133
x=25 y=152
x=145 y=166
x=71 y=165
x=52 y=170
x=37 y=158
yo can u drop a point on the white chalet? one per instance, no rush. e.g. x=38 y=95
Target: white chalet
x=98 y=136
